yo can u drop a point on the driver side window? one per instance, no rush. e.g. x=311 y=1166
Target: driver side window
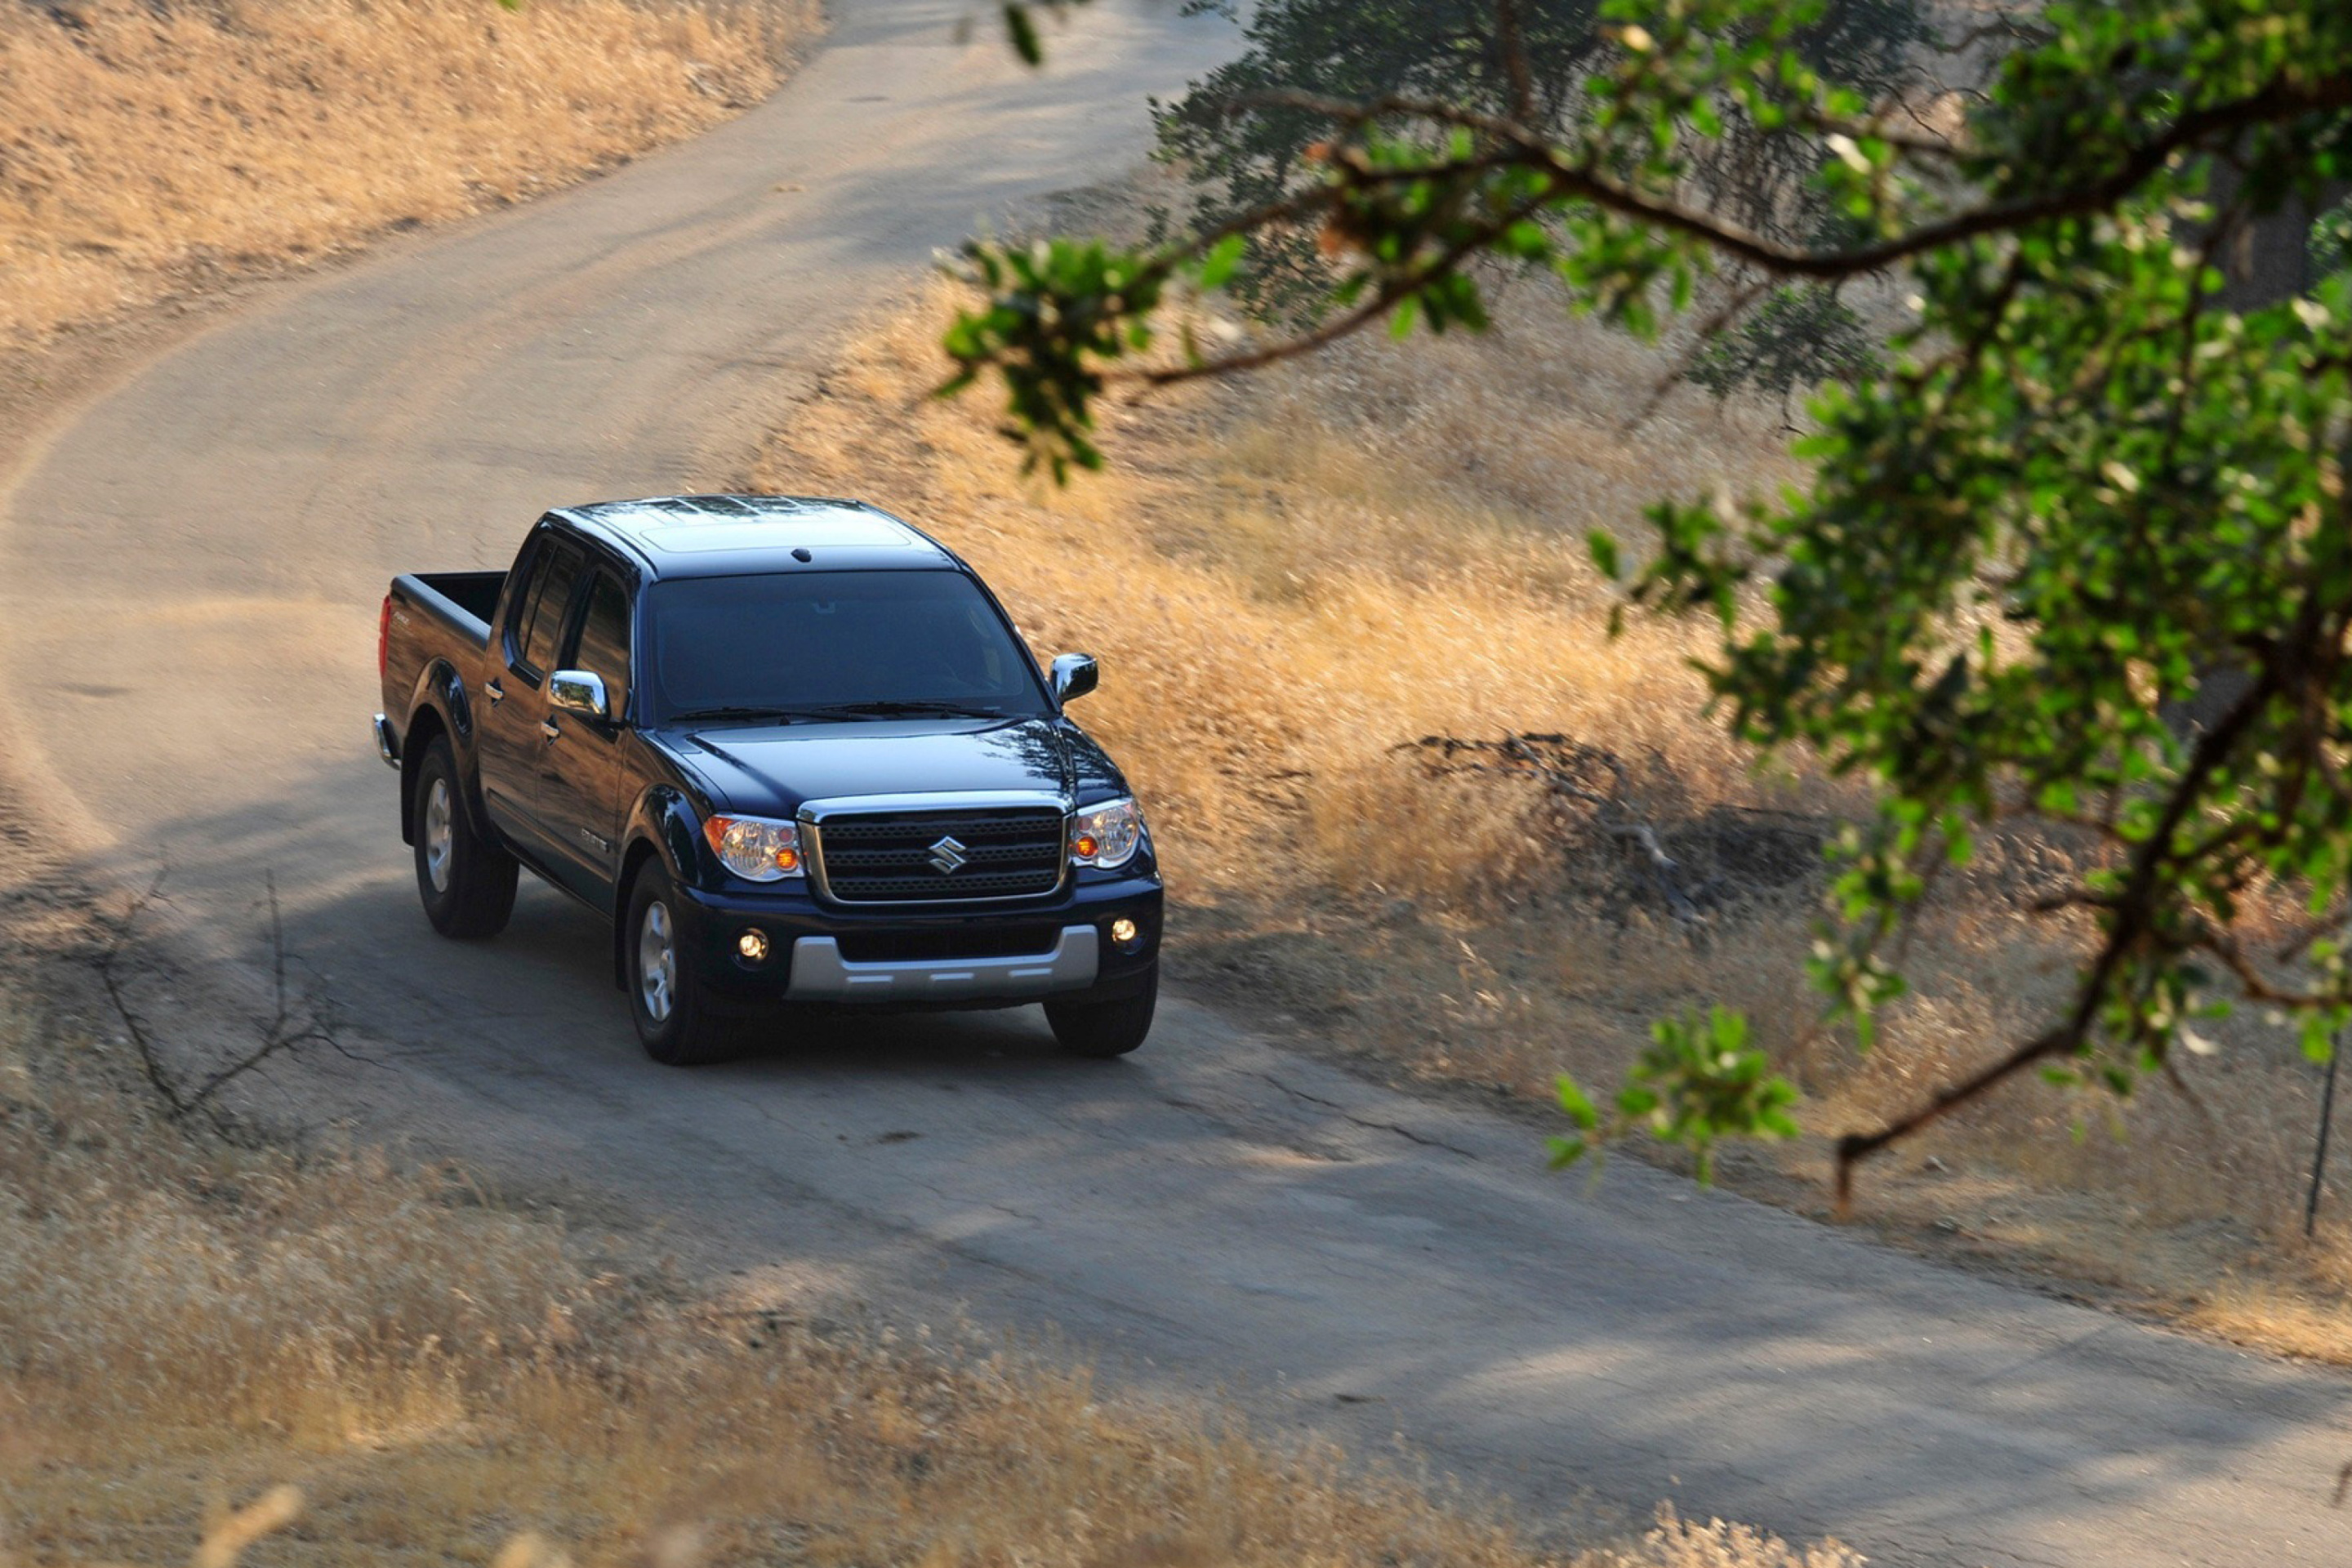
x=602 y=645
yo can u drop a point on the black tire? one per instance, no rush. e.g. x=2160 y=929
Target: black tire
x=665 y=998
x=1113 y=1028
x=468 y=884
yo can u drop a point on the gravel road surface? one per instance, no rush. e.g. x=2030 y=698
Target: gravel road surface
x=190 y=562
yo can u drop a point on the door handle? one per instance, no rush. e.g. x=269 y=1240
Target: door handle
x=550 y=728
x=494 y=691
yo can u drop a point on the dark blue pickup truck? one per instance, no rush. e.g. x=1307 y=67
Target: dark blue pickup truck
x=793 y=749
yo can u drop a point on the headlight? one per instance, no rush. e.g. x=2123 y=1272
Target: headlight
x=755 y=848
x=1106 y=834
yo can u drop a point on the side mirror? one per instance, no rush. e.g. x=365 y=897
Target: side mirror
x=1074 y=675
x=578 y=691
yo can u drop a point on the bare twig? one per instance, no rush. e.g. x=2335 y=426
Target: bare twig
x=1712 y=328
x=1984 y=32
x=149 y=1064
x=284 y=1031
x=2206 y=1120
x=293 y=1023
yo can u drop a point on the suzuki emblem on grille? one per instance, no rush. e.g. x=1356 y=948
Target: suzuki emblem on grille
x=948 y=856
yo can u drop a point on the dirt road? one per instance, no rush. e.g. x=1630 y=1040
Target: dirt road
x=189 y=570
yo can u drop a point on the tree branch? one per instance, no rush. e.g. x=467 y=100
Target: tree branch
x=1514 y=61
x=1585 y=179
x=2131 y=912
x=1382 y=300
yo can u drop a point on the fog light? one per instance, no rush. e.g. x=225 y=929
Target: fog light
x=753 y=945
x=1122 y=932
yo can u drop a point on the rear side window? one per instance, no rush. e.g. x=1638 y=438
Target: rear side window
x=530 y=575
x=542 y=624
x=604 y=647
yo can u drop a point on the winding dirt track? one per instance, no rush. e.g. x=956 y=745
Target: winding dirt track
x=189 y=568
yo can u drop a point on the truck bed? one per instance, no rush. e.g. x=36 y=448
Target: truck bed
x=464 y=601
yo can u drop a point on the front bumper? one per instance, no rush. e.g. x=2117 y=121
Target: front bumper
x=830 y=955
x=819 y=973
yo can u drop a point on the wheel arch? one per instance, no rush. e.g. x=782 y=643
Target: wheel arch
x=424 y=729
x=664 y=828
x=438 y=711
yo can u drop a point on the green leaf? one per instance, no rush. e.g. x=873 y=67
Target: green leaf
x=1603 y=545
x=1021 y=30
x=1573 y=1100
x=1217 y=267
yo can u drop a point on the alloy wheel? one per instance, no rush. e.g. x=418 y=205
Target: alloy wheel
x=657 y=964
x=440 y=835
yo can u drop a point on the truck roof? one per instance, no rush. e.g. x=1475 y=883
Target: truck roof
x=732 y=536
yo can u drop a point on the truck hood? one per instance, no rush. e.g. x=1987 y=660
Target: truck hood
x=769 y=770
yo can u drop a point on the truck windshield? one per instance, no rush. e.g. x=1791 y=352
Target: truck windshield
x=827 y=644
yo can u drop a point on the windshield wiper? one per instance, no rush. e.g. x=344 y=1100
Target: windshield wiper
x=921 y=709
x=790 y=715
x=832 y=711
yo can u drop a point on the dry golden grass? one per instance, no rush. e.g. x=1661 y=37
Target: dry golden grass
x=1285 y=589
x=1288 y=578
x=148 y=147
x=187 y=1324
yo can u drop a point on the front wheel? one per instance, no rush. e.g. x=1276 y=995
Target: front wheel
x=468 y=884
x=665 y=989
x=1085 y=1029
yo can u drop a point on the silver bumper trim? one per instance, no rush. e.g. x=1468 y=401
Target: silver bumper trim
x=386 y=745
x=821 y=974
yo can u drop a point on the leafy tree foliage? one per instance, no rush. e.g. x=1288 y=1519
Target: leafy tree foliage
x=1792 y=343
x=2331 y=239
x=2079 y=480
x=1244 y=144
x=1244 y=150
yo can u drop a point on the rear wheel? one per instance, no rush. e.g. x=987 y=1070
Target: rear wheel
x=1085 y=1029
x=467 y=883
x=665 y=991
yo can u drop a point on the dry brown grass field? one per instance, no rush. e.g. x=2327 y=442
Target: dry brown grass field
x=150 y=149
x=188 y=1323
x=1288 y=578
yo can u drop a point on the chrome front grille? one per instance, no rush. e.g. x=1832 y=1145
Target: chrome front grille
x=944 y=855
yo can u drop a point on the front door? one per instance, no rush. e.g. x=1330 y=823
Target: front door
x=578 y=800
